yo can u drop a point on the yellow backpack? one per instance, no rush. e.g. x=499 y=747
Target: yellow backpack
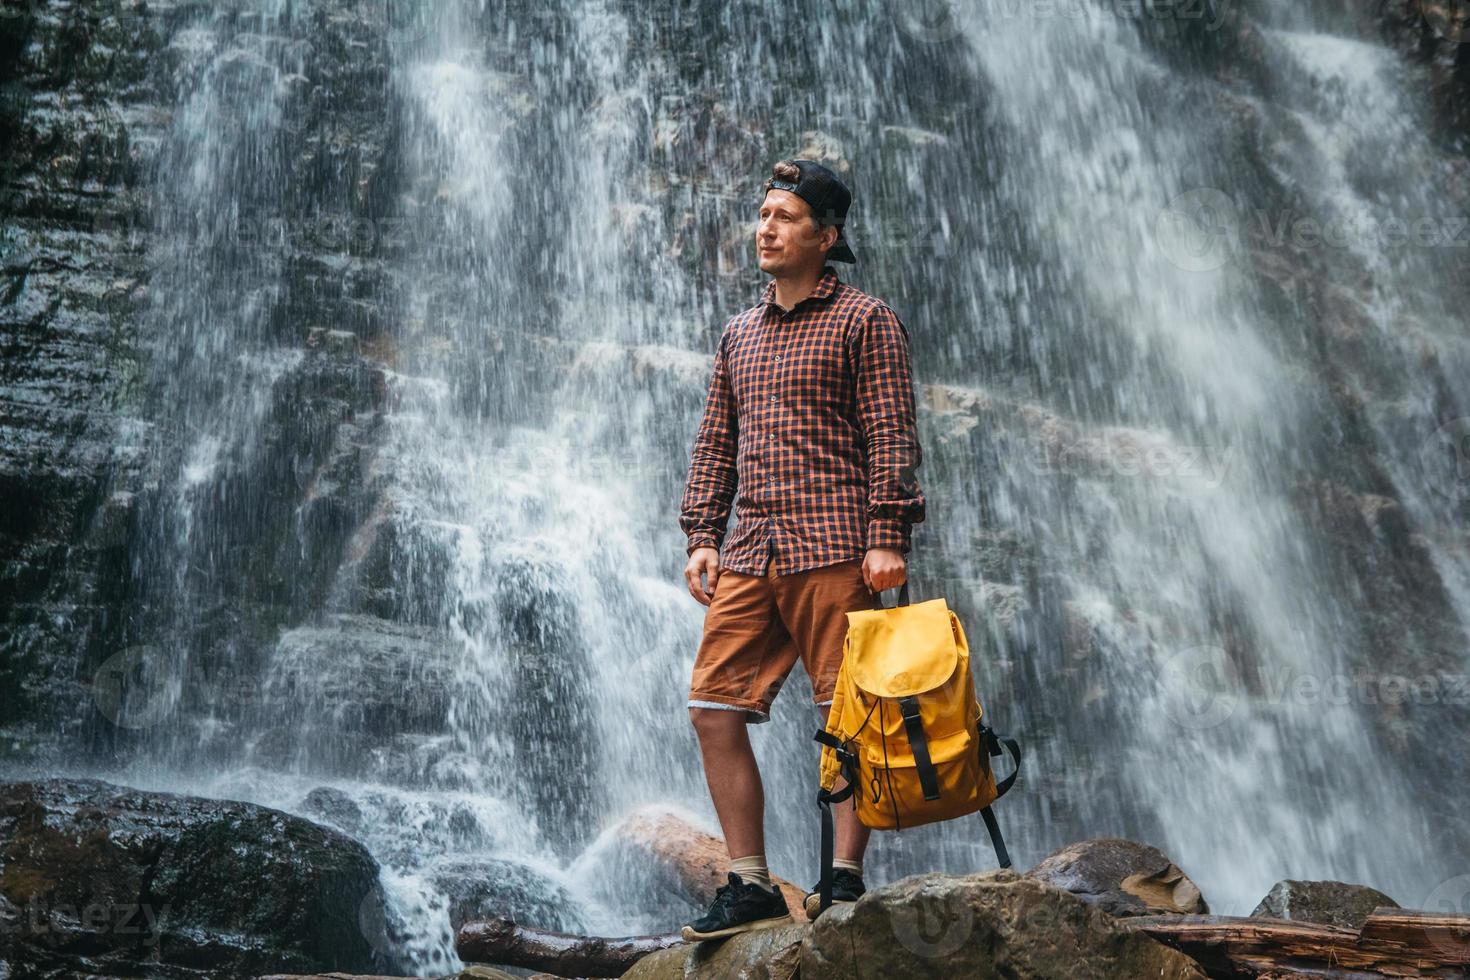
x=906 y=728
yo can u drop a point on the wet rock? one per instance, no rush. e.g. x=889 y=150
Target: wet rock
x=334 y=807
x=1329 y=903
x=490 y=888
x=109 y=879
x=1121 y=877
x=989 y=925
x=769 y=954
x=1431 y=34
x=360 y=674
x=476 y=972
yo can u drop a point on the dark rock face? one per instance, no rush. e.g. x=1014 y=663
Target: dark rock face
x=1330 y=903
x=1121 y=877
x=1433 y=33
x=106 y=879
x=995 y=924
x=88 y=155
x=73 y=155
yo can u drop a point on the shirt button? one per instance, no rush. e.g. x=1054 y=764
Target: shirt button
x=773 y=398
x=778 y=357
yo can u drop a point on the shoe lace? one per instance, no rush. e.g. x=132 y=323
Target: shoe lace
x=726 y=895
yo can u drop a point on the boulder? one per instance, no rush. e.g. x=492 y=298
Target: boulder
x=1328 y=903
x=484 y=888
x=469 y=973
x=679 y=857
x=988 y=925
x=767 y=954
x=1122 y=877
x=113 y=880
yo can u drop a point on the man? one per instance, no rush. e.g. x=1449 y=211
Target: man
x=811 y=414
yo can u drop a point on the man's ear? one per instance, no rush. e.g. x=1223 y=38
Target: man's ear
x=832 y=242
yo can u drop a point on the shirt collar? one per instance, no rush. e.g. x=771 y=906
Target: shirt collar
x=826 y=286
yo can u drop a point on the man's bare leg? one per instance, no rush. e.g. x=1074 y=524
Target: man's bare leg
x=734 y=779
x=735 y=787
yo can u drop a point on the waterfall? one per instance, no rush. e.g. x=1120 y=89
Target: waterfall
x=413 y=563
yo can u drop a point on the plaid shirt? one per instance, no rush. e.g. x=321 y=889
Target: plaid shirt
x=811 y=411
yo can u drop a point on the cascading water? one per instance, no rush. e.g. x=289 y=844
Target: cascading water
x=483 y=660
x=1175 y=538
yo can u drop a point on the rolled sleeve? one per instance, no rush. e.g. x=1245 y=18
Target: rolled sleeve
x=887 y=415
x=709 y=491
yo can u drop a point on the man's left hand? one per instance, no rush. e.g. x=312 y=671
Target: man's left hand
x=884 y=568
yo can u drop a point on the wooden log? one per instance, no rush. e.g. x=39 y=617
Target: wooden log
x=1409 y=930
x=504 y=943
x=1393 y=942
x=696 y=862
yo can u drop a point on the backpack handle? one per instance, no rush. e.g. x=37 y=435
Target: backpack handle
x=903 y=590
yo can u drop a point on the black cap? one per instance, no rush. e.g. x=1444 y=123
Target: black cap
x=829 y=199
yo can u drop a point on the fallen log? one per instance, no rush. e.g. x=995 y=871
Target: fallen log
x=504 y=943
x=1413 y=930
x=1393 y=942
x=695 y=862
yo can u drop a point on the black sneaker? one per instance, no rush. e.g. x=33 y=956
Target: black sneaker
x=739 y=907
x=846 y=887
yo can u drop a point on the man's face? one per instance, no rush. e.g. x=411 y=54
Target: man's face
x=787 y=238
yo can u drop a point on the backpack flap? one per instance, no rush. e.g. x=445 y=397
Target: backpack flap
x=902 y=650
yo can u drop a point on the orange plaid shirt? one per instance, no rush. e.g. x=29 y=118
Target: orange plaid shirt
x=810 y=413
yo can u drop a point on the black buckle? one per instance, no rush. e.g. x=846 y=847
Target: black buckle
x=992 y=744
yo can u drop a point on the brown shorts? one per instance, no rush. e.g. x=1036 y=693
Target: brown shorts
x=757 y=626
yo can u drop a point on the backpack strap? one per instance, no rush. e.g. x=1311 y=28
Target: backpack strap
x=824 y=804
x=913 y=726
x=993 y=744
x=1002 y=856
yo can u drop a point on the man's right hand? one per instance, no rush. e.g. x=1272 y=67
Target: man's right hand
x=706 y=562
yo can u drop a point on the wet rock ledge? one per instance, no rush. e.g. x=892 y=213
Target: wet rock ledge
x=104 y=880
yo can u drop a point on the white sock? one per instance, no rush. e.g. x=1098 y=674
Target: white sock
x=856 y=867
x=752 y=870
